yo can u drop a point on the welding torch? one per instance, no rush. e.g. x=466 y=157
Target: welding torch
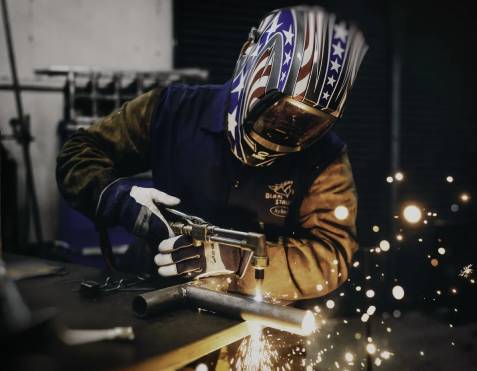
x=200 y=231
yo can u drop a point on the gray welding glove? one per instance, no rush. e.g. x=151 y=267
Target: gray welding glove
x=179 y=256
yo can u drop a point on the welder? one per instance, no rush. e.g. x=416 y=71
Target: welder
x=254 y=154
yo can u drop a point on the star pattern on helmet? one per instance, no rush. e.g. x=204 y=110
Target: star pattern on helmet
x=289 y=35
x=288 y=31
x=336 y=59
x=338 y=50
x=287 y=58
x=238 y=89
x=232 y=122
x=341 y=32
x=275 y=25
x=335 y=66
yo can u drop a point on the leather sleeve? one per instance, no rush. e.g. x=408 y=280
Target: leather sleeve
x=115 y=146
x=318 y=262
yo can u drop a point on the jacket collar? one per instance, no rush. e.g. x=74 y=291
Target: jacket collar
x=215 y=113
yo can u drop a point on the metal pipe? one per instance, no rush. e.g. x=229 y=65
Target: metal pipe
x=281 y=317
x=158 y=301
x=23 y=130
x=11 y=58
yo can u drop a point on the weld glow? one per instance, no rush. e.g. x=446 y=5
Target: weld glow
x=308 y=324
x=258 y=295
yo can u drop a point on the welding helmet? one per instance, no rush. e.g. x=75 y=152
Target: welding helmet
x=291 y=82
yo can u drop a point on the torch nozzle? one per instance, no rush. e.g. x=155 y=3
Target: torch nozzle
x=259 y=276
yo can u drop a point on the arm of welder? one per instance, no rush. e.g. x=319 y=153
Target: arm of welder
x=115 y=146
x=317 y=262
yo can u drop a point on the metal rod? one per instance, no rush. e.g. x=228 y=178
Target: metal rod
x=33 y=88
x=281 y=317
x=230 y=241
x=233 y=232
x=25 y=137
x=11 y=58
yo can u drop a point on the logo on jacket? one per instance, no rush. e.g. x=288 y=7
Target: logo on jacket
x=281 y=197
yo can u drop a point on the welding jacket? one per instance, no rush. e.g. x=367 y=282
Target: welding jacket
x=179 y=133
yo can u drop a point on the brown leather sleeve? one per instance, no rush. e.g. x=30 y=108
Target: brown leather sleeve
x=310 y=267
x=113 y=147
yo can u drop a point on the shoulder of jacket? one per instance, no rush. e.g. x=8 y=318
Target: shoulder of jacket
x=322 y=153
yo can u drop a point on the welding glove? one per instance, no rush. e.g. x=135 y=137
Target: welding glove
x=136 y=209
x=179 y=256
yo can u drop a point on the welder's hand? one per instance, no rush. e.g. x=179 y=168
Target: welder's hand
x=178 y=256
x=136 y=209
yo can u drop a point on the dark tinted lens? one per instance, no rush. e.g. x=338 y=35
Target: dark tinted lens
x=288 y=124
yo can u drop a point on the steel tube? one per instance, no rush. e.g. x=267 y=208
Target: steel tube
x=235 y=306
x=155 y=302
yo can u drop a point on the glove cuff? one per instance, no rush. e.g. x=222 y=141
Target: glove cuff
x=107 y=201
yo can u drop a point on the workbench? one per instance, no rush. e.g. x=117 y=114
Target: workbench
x=170 y=341
x=176 y=339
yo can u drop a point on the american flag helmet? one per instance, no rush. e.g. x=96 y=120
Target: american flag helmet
x=291 y=82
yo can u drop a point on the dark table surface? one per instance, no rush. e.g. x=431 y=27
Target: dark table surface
x=153 y=336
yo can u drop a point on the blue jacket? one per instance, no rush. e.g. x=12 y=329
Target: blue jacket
x=191 y=159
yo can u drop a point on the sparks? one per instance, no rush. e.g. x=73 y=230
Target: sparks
x=399 y=176
x=330 y=304
x=398 y=292
x=371 y=348
x=466 y=271
x=341 y=212
x=384 y=245
x=201 y=367
x=256 y=352
x=412 y=214
x=464 y=197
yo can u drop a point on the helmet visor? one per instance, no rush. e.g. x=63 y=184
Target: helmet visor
x=289 y=126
